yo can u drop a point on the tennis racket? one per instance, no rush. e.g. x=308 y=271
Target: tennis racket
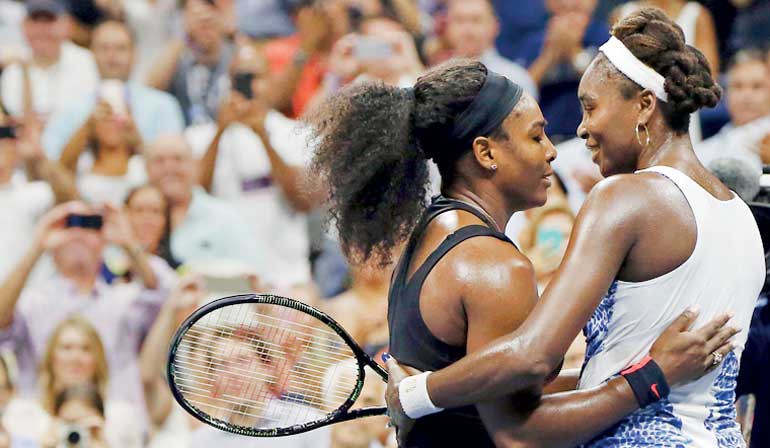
x=267 y=366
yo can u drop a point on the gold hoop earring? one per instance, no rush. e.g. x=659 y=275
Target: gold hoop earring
x=646 y=133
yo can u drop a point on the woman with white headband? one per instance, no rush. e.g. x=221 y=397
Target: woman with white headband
x=658 y=236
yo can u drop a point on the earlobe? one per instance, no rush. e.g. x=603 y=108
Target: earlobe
x=482 y=150
x=647 y=104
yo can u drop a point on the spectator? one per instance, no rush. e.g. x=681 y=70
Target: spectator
x=696 y=22
x=363 y=309
x=58 y=71
x=472 y=28
x=74 y=356
x=80 y=410
x=203 y=228
x=187 y=431
x=748 y=104
x=264 y=19
x=751 y=27
x=556 y=58
x=518 y=26
x=29 y=313
x=256 y=160
x=87 y=14
x=28 y=201
x=751 y=378
x=157 y=20
x=10 y=439
x=150 y=217
x=195 y=71
x=298 y=62
x=12 y=45
x=152 y=111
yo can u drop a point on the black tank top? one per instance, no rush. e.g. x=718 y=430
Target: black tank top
x=412 y=343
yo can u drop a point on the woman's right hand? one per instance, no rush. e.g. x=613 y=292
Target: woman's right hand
x=685 y=355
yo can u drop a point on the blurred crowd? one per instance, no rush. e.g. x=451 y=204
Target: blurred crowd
x=153 y=157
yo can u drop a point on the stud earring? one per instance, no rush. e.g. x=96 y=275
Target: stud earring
x=493 y=167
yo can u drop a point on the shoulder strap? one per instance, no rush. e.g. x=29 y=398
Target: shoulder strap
x=449 y=243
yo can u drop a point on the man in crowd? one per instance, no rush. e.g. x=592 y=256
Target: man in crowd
x=195 y=71
x=154 y=112
x=120 y=312
x=472 y=28
x=203 y=229
x=748 y=104
x=58 y=70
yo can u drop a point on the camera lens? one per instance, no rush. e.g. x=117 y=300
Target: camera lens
x=73 y=437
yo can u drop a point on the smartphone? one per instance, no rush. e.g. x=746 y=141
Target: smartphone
x=94 y=222
x=369 y=48
x=7 y=131
x=113 y=91
x=242 y=84
x=229 y=285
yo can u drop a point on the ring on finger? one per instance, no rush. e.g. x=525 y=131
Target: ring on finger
x=717 y=358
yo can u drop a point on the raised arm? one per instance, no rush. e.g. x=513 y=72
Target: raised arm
x=208 y=163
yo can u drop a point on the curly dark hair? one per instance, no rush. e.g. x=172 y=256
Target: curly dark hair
x=373 y=142
x=659 y=42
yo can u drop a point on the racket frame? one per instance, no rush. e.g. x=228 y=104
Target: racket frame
x=341 y=414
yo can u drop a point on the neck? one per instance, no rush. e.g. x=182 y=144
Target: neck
x=673 y=149
x=179 y=210
x=84 y=282
x=369 y=290
x=492 y=203
x=46 y=61
x=112 y=161
x=209 y=55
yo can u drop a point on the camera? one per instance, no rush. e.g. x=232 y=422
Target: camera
x=73 y=436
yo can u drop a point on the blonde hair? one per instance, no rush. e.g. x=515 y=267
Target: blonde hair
x=47 y=378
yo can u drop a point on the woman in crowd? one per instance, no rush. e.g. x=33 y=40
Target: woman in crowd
x=74 y=356
x=79 y=419
x=112 y=167
x=650 y=242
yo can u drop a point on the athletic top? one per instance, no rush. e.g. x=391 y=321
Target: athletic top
x=725 y=272
x=412 y=343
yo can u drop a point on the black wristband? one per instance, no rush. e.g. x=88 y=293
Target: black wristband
x=647 y=381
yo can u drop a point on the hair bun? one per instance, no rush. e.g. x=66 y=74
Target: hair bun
x=688 y=81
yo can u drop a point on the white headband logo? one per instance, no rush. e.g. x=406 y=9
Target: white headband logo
x=628 y=64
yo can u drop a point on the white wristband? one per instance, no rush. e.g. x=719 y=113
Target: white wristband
x=413 y=393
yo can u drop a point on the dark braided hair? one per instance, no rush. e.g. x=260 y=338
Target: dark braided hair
x=373 y=142
x=659 y=42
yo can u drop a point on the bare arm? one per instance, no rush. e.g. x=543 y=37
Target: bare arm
x=706 y=39
x=75 y=147
x=163 y=71
x=602 y=235
x=408 y=14
x=11 y=288
x=207 y=164
x=289 y=178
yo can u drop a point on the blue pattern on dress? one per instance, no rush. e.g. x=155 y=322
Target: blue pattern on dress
x=653 y=426
x=598 y=325
x=721 y=420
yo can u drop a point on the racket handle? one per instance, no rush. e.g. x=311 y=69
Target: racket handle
x=360 y=413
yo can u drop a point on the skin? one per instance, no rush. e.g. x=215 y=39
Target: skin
x=146 y=211
x=73 y=361
x=748 y=88
x=113 y=50
x=171 y=169
x=45 y=33
x=472 y=27
x=641 y=250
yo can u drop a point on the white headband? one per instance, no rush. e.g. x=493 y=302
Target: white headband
x=628 y=64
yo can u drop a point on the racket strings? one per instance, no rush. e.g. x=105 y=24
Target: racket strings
x=263 y=366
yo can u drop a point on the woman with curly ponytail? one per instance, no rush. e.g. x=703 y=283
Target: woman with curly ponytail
x=657 y=239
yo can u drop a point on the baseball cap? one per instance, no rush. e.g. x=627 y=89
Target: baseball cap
x=53 y=7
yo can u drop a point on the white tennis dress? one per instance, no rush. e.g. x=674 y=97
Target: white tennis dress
x=725 y=272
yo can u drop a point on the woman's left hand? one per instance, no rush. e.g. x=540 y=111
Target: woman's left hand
x=116 y=228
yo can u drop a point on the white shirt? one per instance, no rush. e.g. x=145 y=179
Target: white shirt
x=732 y=142
x=52 y=87
x=242 y=178
x=725 y=272
x=22 y=204
x=99 y=189
x=511 y=70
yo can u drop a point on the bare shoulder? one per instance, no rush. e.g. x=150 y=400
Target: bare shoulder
x=627 y=194
x=487 y=264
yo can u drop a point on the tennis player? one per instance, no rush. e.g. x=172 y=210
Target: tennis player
x=460 y=283
x=659 y=235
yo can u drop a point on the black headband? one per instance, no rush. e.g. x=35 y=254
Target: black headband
x=494 y=102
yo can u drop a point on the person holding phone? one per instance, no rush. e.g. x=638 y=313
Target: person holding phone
x=256 y=161
x=20 y=150
x=75 y=235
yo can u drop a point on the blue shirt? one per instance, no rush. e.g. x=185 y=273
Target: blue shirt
x=212 y=232
x=752 y=378
x=154 y=112
x=558 y=89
